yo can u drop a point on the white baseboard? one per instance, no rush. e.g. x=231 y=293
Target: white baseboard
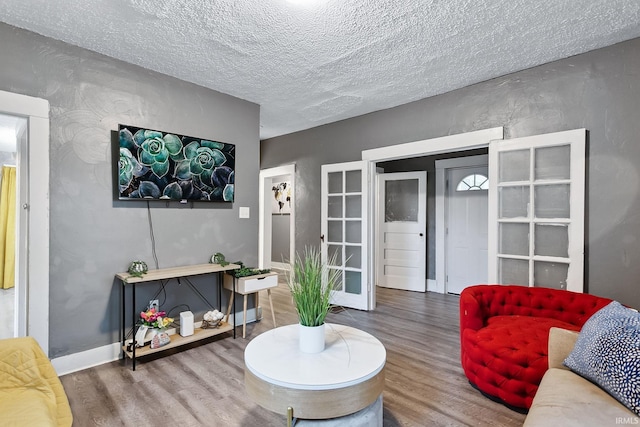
x=432 y=286
x=251 y=316
x=280 y=265
x=100 y=355
x=86 y=359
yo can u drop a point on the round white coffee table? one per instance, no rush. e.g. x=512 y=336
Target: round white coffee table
x=341 y=380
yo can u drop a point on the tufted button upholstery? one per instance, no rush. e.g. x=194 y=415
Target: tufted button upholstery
x=504 y=334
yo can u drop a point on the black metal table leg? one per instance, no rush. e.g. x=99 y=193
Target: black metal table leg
x=133 y=321
x=220 y=284
x=124 y=326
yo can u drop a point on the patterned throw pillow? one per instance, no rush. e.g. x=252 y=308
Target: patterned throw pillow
x=607 y=353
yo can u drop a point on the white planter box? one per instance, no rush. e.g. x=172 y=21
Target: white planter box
x=251 y=284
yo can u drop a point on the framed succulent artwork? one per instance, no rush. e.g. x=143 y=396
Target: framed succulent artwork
x=158 y=165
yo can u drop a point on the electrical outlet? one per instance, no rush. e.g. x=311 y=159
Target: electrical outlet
x=154 y=303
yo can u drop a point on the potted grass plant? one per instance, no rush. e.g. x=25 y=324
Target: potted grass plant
x=312 y=283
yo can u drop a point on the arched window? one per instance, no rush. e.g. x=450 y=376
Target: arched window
x=473 y=182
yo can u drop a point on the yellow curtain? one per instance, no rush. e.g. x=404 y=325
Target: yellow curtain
x=8 y=227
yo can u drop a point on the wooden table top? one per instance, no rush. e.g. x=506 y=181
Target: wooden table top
x=172 y=272
x=350 y=357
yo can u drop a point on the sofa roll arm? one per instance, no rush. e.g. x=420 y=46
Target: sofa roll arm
x=471 y=311
x=561 y=343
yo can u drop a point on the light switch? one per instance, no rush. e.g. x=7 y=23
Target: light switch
x=244 y=212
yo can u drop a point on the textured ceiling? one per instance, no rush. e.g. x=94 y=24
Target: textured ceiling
x=316 y=63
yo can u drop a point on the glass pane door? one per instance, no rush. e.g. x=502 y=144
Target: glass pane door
x=344 y=232
x=537 y=210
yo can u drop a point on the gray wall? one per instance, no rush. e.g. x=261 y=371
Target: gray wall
x=280 y=239
x=599 y=91
x=92 y=237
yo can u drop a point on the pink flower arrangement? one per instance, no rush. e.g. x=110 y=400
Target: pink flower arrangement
x=155 y=319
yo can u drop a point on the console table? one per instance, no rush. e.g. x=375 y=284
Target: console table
x=166 y=274
x=345 y=378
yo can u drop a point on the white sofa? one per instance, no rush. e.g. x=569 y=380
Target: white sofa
x=567 y=399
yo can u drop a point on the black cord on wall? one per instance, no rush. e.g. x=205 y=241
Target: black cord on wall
x=153 y=238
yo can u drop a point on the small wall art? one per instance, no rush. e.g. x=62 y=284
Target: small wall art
x=282 y=192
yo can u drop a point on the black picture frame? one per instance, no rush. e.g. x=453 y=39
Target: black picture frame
x=159 y=165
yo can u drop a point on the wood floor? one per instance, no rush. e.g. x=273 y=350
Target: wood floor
x=204 y=385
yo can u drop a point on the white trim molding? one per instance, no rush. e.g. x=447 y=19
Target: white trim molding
x=87 y=359
x=280 y=266
x=444 y=144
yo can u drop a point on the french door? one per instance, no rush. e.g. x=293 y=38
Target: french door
x=536 y=210
x=536 y=216
x=344 y=230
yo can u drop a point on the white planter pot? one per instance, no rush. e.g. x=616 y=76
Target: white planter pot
x=311 y=338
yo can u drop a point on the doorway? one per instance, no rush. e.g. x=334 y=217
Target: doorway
x=438 y=167
x=12 y=139
x=276 y=236
x=436 y=146
x=32 y=215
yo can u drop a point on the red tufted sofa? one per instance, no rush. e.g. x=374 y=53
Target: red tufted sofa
x=504 y=334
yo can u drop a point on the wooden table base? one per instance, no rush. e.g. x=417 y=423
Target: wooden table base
x=314 y=404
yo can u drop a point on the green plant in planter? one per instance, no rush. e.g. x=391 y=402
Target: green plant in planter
x=244 y=271
x=312 y=283
x=248 y=271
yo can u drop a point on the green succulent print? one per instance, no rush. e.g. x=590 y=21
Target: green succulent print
x=160 y=165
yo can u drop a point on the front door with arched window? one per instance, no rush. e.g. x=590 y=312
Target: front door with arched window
x=467 y=227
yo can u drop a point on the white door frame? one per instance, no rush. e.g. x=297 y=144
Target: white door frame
x=33 y=273
x=441 y=199
x=445 y=144
x=264 y=214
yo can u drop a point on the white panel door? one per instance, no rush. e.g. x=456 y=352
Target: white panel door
x=466 y=228
x=344 y=188
x=536 y=210
x=401 y=238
